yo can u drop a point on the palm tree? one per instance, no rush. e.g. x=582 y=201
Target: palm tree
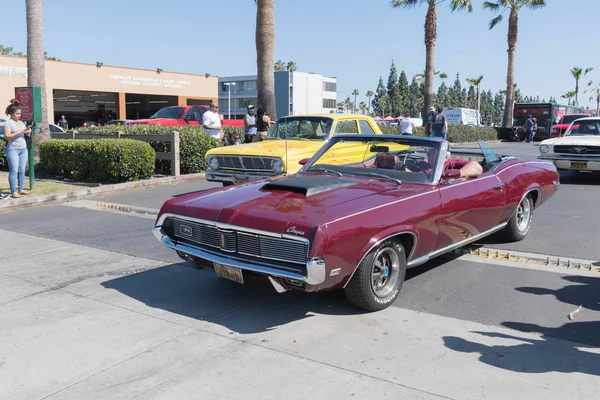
x=500 y=6
x=576 y=72
x=568 y=96
x=291 y=66
x=35 y=63
x=279 y=66
x=363 y=107
x=355 y=93
x=369 y=95
x=477 y=83
x=265 y=54
x=430 y=37
x=594 y=89
x=421 y=77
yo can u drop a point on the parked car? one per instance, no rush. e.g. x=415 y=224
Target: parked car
x=182 y=116
x=275 y=155
x=561 y=127
x=578 y=149
x=91 y=124
x=360 y=212
x=53 y=128
x=118 y=122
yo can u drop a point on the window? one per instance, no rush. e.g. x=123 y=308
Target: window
x=365 y=127
x=244 y=102
x=193 y=114
x=346 y=127
x=330 y=86
x=329 y=103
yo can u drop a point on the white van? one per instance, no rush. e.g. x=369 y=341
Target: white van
x=462 y=116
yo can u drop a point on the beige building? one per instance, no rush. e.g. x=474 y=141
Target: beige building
x=99 y=93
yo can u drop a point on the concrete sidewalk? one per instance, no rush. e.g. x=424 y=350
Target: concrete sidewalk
x=82 y=323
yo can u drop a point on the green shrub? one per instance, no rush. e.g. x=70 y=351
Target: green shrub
x=105 y=160
x=3 y=162
x=456 y=133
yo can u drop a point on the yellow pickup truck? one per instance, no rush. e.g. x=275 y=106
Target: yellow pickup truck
x=290 y=140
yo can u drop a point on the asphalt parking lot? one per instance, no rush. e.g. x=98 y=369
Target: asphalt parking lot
x=92 y=307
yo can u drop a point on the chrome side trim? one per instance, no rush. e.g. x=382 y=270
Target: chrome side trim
x=377 y=244
x=433 y=254
x=315 y=268
x=224 y=226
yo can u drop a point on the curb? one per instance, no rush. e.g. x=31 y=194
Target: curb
x=78 y=194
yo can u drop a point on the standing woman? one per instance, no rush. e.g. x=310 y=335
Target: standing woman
x=16 y=148
x=263 y=124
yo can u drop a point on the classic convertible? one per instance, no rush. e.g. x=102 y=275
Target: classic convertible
x=360 y=212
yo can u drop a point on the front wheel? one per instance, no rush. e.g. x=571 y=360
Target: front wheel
x=520 y=223
x=378 y=278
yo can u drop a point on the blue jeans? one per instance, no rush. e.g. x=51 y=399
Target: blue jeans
x=531 y=135
x=17 y=159
x=438 y=134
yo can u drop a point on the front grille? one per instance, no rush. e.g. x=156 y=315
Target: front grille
x=578 y=150
x=245 y=163
x=238 y=242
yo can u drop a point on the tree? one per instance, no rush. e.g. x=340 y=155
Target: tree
x=36 y=69
x=265 y=55
x=594 y=89
x=291 y=66
x=569 y=96
x=393 y=91
x=500 y=6
x=404 y=90
x=456 y=94
x=442 y=96
x=369 y=95
x=576 y=72
x=430 y=37
x=498 y=110
x=477 y=83
x=279 y=66
x=416 y=98
x=378 y=99
x=421 y=77
x=355 y=93
x=471 y=98
x=5 y=51
x=363 y=107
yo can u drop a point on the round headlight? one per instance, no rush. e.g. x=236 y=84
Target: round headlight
x=277 y=165
x=544 y=148
x=213 y=163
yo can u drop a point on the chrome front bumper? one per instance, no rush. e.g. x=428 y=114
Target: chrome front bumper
x=230 y=177
x=315 y=268
x=564 y=162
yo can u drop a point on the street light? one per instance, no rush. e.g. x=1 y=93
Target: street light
x=229 y=84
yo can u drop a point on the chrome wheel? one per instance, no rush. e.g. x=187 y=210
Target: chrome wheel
x=385 y=271
x=523 y=215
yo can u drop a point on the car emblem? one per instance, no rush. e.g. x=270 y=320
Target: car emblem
x=579 y=150
x=186 y=230
x=294 y=231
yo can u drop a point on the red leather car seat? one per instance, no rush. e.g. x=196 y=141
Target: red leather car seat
x=386 y=161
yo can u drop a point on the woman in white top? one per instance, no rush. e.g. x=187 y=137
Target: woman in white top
x=406 y=126
x=16 y=148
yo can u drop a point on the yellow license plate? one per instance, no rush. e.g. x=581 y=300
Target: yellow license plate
x=239 y=180
x=225 y=271
x=579 y=165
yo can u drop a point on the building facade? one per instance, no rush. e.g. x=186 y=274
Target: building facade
x=295 y=93
x=98 y=93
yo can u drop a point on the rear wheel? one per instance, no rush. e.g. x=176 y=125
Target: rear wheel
x=378 y=278
x=520 y=223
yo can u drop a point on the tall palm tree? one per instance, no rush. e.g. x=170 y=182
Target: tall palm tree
x=265 y=54
x=421 y=77
x=430 y=37
x=576 y=72
x=568 y=96
x=594 y=89
x=291 y=66
x=363 y=107
x=477 y=83
x=355 y=93
x=36 y=71
x=279 y=66
x=500 y=6
x=369 y=95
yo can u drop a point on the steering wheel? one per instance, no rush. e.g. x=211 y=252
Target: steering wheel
x=412 y=167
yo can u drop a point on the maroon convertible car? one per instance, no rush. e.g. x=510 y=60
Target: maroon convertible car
x=360 y=212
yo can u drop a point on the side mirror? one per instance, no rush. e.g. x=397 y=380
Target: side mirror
x=303 y=161
x=452 y=174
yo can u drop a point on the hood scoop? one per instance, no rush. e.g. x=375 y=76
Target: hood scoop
x=308 y=185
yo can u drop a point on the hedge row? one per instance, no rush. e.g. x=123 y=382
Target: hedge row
x=105 y=160
x=457 y=133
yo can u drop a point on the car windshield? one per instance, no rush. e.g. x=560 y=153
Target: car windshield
x=584 y=127
x=169 y=112
x=414 y=160
x=301 y=128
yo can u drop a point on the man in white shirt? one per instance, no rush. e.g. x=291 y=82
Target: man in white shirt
x=211 y=122
x=406 y=125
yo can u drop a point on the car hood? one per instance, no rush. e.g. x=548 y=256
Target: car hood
x=271 y=148
x=583 y=140
x=153 y=121
x=300 y=201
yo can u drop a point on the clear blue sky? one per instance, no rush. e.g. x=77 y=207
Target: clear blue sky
x=353 y=40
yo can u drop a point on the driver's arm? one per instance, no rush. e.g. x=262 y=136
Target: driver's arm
x=471 y=170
